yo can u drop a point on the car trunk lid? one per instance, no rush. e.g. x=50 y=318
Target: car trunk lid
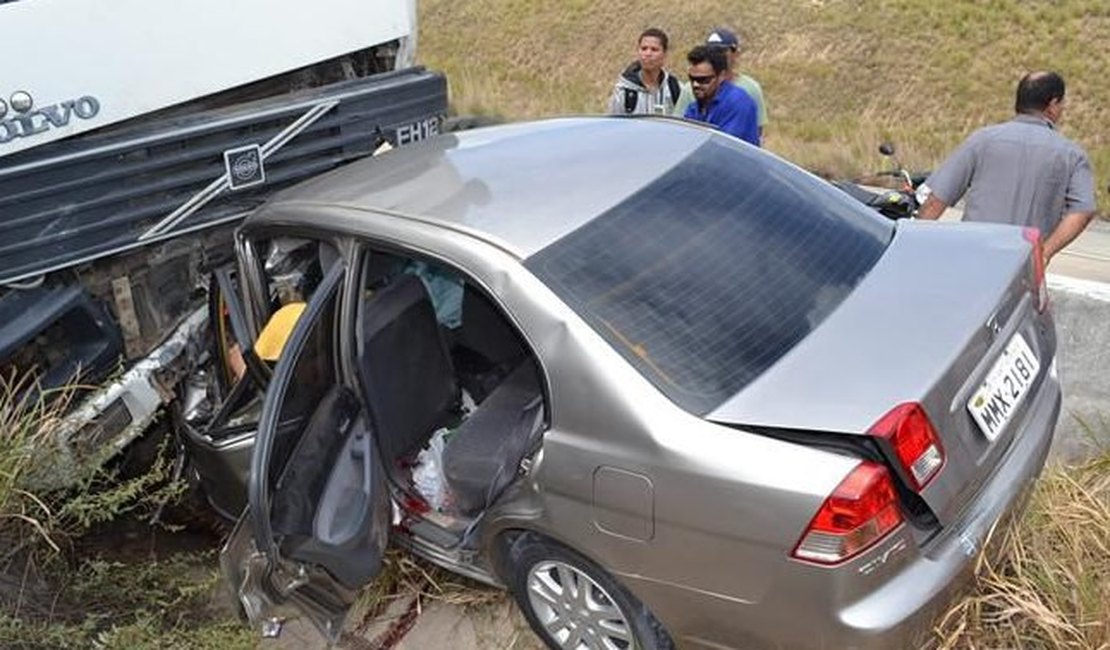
x=946 y=309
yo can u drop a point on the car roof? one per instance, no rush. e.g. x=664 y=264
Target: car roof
x=522 y=186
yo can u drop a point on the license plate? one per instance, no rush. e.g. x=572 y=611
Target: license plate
x=1006 y=384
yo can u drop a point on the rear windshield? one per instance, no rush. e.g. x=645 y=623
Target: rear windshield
x=708 y=275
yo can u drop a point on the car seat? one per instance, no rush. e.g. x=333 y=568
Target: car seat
x=483 y=455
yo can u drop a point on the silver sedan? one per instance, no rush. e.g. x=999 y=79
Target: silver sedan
x=664 y=387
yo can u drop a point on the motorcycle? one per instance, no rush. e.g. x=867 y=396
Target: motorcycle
x=895 y=193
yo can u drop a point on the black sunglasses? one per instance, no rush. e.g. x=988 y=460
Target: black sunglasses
x=702 y=80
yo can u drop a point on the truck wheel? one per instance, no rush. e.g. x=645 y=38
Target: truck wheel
x=571 y=603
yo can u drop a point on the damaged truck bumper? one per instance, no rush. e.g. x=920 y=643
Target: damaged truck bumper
x=121 y=409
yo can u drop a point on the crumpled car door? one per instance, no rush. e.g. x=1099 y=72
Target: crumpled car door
x=317 y=522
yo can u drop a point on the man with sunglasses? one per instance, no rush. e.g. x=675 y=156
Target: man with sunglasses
x=729 y=41
x=718 y=101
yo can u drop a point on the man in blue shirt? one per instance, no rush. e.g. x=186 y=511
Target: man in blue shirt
x=719 y=102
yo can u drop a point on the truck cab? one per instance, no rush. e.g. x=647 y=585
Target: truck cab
x=135 y=135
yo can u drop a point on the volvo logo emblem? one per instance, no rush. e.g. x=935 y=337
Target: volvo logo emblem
x=27 y=122
x=244 y=167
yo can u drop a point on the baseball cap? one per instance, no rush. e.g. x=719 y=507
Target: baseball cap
x=723 y=37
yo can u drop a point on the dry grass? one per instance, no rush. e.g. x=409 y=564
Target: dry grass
x=1049 y=587
x=54 y=596
x=405 y=575
x=839 y=75
x=29 y=421
x=492 y=620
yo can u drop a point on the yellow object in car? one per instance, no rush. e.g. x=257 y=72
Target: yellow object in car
x=272 y=339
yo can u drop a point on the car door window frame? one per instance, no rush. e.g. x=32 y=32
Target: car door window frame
x=259 y=483
x=252 y=281
x=247 y=298
x=365 y=246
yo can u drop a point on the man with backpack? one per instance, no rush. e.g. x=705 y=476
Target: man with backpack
x=645 y=86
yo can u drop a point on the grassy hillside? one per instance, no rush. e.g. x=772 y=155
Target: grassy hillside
x=839 y=75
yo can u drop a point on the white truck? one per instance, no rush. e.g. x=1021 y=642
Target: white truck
x=135 y=134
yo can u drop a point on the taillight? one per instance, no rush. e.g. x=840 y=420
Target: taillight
x=858 y=513
x=914 y=441
x=1038 y=287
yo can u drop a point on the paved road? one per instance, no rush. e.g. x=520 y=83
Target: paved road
x=1088 y=257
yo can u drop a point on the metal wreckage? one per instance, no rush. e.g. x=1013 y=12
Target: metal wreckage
x=130 y=152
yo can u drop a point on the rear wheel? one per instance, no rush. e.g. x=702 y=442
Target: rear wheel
x=573 y=604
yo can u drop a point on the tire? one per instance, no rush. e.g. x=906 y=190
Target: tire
x=596 y=612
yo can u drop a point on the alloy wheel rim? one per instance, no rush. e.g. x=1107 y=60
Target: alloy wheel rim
x=576 y=612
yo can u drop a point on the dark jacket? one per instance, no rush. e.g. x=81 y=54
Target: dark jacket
x=630 y=96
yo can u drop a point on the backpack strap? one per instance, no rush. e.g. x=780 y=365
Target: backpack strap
x=631 y=98
x=674 y=87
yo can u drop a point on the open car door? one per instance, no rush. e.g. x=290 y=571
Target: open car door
x=317 y=522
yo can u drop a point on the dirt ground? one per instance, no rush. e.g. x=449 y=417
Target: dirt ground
x=412 y=623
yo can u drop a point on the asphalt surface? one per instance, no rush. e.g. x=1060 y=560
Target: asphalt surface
x=1088 y=257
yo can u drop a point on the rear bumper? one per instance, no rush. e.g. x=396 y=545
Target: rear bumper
x=904 y=609
x=887 y=598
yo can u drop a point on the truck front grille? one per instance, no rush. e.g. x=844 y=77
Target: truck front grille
x=94 y=195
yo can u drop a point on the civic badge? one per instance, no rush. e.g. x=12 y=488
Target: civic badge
x=244 y=167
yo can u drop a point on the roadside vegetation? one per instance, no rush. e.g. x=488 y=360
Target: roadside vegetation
x=1048 y=586
x=840 y=76
x=83 y=566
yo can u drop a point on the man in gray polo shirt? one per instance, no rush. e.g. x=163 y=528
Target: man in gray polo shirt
x=1021 y=172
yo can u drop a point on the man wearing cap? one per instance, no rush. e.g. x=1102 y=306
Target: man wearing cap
x=717 y=101
x=1021 y=172
x=729 y=42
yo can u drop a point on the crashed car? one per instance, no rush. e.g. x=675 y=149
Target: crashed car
x=664 y=387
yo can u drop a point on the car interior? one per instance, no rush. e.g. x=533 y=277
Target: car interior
x=476 y=383
x=455 y=376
